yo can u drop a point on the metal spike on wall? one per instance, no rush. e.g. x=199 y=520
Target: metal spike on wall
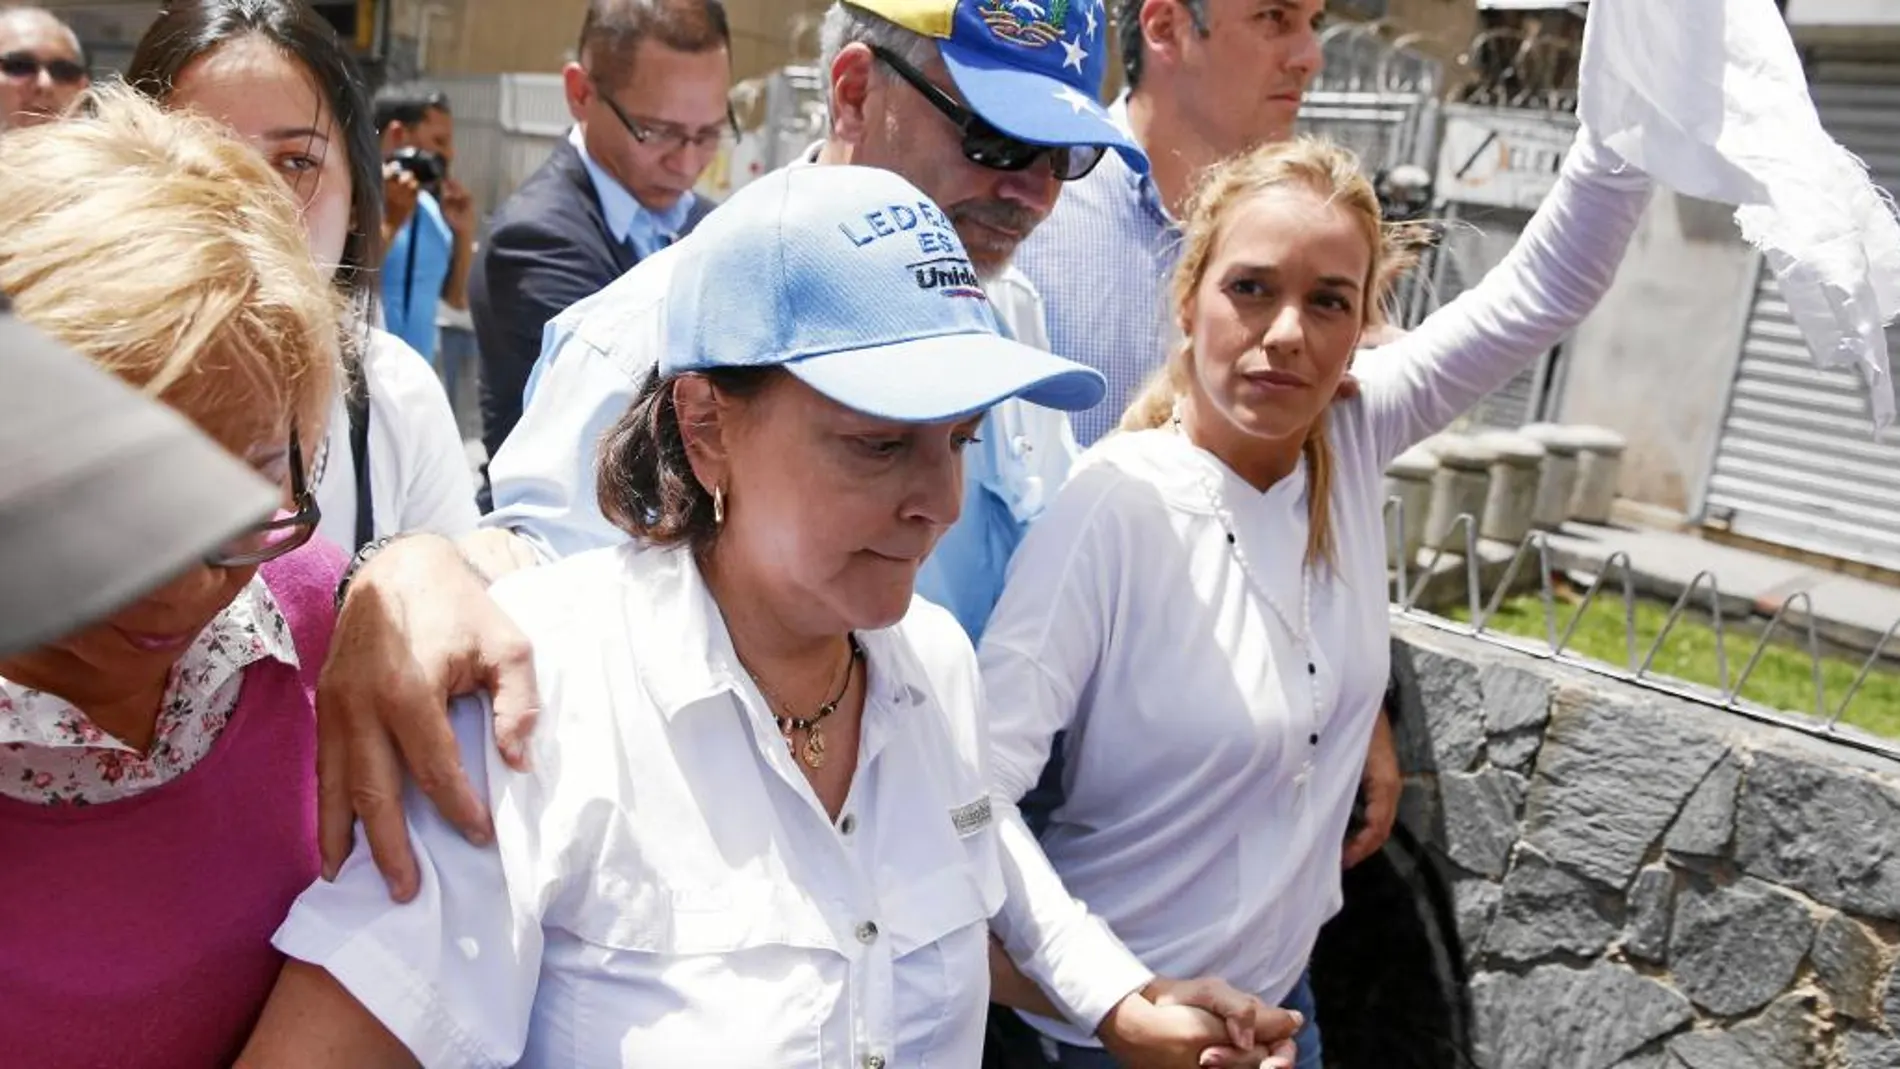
x=1822 y=721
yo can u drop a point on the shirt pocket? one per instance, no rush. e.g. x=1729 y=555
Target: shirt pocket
x=939 y=930
x=656 y=918
x=647 y=974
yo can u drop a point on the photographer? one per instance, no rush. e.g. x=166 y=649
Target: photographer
x=429 y=218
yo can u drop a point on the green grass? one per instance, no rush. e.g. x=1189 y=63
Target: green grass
x=1782 y=680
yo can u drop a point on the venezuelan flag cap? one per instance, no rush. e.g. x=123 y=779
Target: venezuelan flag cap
x=1031 y=68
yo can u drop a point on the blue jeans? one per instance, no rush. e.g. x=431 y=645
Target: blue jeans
x=1299 y=999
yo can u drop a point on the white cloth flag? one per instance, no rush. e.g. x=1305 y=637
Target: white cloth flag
x=1708 y=97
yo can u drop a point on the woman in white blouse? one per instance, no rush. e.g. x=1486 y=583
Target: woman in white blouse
x=758 y=829
x=1203 y=608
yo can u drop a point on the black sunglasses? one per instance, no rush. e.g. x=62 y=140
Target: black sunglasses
x=282 y=533
x=669 y=139
x=28 y=65
x=985 y=145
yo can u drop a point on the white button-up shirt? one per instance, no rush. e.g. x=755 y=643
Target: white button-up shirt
x=1216 y=731
x=667 y=890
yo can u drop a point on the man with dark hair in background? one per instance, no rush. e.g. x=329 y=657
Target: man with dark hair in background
x=42 y=66
x=428 y=219
x=648 y=93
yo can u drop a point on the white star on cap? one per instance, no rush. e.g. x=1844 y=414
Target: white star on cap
x=1074 y=55
x=1076 y=101
x=1089 y=10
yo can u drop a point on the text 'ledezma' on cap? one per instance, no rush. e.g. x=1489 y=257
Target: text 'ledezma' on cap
x=854 y=281
x=1031 y=68
x=104 y=494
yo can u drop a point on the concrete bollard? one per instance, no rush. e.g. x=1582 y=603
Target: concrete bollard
x=1460 y=486
x=1409 y=478
x=1514 y=483
x=1599 y=465
x=1558 y=483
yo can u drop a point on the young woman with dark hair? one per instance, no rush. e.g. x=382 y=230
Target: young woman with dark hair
x=277 y=75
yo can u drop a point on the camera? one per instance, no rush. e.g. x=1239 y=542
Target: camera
x=428 y=167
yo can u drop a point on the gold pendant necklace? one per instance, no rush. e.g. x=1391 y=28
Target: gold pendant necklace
x=813 y=752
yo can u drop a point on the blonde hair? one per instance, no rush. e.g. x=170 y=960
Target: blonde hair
x=1333 y=173
x=170 y=254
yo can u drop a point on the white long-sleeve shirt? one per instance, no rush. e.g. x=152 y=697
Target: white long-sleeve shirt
x=665 y=888
x=1209 y=774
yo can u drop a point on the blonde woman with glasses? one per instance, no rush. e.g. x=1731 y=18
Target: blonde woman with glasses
x=157 y=770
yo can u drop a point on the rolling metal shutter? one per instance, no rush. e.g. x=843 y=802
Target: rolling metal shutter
x=1797 y=464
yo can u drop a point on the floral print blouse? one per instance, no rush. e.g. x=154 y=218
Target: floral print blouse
x=51 y=754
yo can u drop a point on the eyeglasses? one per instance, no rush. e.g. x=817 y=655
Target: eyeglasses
x=985 y=145
x=280 y=534
x=27 y=65
x=668 y=137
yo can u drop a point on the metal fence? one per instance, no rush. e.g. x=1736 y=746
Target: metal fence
x=1795 y=617
x=505 y=126
x=1376 y=97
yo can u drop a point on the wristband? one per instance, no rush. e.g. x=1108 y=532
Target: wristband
x=370 y=549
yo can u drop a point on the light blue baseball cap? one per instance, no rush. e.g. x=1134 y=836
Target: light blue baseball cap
x=852 y=280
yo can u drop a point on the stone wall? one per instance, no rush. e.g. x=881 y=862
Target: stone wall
x=1647 y=883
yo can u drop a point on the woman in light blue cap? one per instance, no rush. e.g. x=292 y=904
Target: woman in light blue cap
x=758 y=829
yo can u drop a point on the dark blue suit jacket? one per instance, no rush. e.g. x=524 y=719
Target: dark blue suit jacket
x=548 y=247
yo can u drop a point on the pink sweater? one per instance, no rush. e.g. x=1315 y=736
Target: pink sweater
x=137 y=932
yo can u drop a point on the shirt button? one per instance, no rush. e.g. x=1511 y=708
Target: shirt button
x=874 y=1061
x=1314 y=739
x=867 y=933
x=848 y=825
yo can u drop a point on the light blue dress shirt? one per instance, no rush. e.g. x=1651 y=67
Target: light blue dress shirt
x=631 y=222
x=1010 y=475
x=411 y=297
x=1104 y=263
x=597 y=353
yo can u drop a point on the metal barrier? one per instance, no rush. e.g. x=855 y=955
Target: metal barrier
x=791 y=108
x=505 y=126
x=1376 y=97
x=1822 y=722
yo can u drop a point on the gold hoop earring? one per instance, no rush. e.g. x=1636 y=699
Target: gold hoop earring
x=719 y=506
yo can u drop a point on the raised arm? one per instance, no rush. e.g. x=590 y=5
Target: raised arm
x=1552 y=278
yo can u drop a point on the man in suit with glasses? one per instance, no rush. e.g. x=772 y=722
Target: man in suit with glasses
x=42 y=67
x=648 y=95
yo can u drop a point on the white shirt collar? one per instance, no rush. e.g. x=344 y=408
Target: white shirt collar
x=693 y=659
